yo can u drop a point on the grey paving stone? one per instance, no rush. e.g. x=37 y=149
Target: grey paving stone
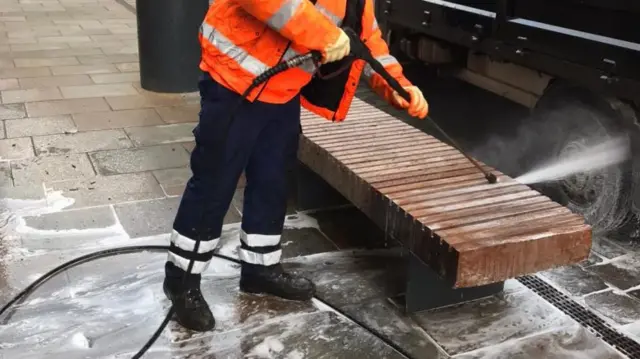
x=140 y=159
x=304 y=241
x=316 y=335
x=490 y=321
x=102 y=190
x=344 y=278
x=51 y=169
x=160 y=135
x=562 y=343
x=173 y=180
x=593 y=259
x=18 y=274
x=13 y=111
x=632 y=329
x=40 y=126
x=6 y=179
x=607 y=248
x=385 y=320
x=3 y=133
x=116 y=119
x=575 y=280
x=7 y=194
x=82 y=142
x=148 y=218
x=16 y=148
x=617 y=306
x=189 y=146
x=68 y=229
x=623 y=272
x=634 y=293
x=513 y=285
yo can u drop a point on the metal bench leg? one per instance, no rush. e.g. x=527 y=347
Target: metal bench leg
x=425 y=289
x=313 y=192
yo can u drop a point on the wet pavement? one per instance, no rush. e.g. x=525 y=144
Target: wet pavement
x=90 y=161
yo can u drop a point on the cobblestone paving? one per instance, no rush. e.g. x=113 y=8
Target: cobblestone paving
x=89 y=160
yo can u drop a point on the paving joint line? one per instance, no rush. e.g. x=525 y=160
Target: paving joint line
x=127 y=6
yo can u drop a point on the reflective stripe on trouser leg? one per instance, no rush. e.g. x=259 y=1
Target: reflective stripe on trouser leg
x=260 y=249
x=181 y=252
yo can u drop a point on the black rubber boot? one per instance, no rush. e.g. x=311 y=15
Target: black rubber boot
x=190 y=308
x=275 y=281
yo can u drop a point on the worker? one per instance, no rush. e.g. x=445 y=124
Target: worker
x=240 y=39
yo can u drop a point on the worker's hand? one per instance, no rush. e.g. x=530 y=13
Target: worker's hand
x=338 y=50
x=418 y=107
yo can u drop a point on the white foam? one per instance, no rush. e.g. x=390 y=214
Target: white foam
x=300 y=220
x=79 y=340
x=54 y=201
x=265 y=349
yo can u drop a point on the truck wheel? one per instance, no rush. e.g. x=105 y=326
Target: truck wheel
x=569 y=120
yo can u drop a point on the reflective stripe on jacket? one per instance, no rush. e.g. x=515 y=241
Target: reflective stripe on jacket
x=240 y=39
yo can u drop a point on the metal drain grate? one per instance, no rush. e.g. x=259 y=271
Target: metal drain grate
x=585 y=317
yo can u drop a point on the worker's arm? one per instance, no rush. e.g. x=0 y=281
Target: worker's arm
x=418 y=106
x=296 y=20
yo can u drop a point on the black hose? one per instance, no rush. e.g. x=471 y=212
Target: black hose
x=20 y=297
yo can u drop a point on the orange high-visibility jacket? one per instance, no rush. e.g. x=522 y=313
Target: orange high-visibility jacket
x=240 y=39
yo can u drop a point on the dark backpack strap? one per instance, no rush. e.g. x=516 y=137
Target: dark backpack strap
x=353 y=15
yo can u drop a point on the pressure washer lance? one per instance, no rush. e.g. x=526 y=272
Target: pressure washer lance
x=361 y=51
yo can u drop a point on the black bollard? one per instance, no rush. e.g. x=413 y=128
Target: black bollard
x=168 y=46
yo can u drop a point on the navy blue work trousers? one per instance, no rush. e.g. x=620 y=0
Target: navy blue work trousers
x=262 y=140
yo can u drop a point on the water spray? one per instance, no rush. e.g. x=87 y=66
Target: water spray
x=593 y=158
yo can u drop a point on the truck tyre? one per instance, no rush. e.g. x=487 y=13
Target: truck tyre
x=567 y=120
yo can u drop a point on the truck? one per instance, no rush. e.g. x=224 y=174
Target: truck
x=574 y=64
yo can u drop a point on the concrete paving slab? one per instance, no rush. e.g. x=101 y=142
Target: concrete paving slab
x=63 y=230
x=384 y=317
x=618 y=307
x=6 y=179
x=623 y=272
x=82 y=142
x=16 y=148
x=575 y=280
x=161 y=135
x=54 y=81
x=179 y=114
x=304 y=241
x=40 y=126
x=13 y=111
x=558 y=343
x=173 y=180
x=105 y=190
x=147 y=218
x=139 y=159
x=116 y=119
x=66 y=107
x=607 y=248
x=54 y=168
x=490 y=321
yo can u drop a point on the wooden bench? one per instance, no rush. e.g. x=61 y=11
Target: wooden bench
x=466 y=236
